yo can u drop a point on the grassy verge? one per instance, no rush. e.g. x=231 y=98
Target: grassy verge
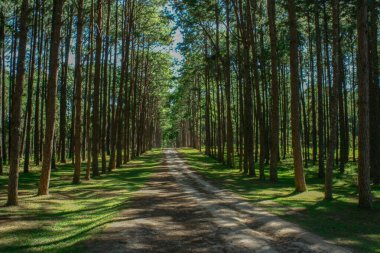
x=339 y=220
x=71 y=213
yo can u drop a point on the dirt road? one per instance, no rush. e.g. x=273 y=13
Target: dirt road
x=178 y=211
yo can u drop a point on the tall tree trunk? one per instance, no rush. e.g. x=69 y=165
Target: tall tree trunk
x=328 y=78
x=38 y=92
x=321 y=147
x=219 y=136
x=353 y=103
x=51 y=97
x=15 y=120
x=342 y=124
x=30 y=89
x=256 y=80
x=97 y=80
x=3 y=90
x=88 y=98
x=230 y=144
x=312 y=83
x=63 y=91
x=333 y=101
x=113 y=104
x=2 y=87
x=78 y=95
x=207 y=105
x=271 y=5
x=365 y=198
x=294 y=81
x=374 y=93
x=248 y=166
x=105 y=84
x=12 y=73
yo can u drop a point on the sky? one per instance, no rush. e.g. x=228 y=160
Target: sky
x=177 y=38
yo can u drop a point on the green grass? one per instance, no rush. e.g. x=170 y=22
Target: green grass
x=339 y=220
x=71 y=213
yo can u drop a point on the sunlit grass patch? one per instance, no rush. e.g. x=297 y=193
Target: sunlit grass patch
x=338 y=220
x=71 y=213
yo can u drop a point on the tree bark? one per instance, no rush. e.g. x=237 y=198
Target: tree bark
x=271 y=5
x=51 y=97
x=259 y=105
x=15 y=120
x=97 y=80
x=300 y=183
x=78 y=95
x=30 y=90
x=321 y=147
x=37 y=149
x=63 y=91
x=229 y=139
x=2 y=87
x=333 y=102
x=105 y=85
x=374 y=94
x=365 y=198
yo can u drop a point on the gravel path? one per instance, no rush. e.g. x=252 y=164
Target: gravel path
x=178 y=211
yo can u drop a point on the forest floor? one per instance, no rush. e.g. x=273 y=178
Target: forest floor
x=178 y=211
x=339 y=220
x=184 y=201
x=71 y=213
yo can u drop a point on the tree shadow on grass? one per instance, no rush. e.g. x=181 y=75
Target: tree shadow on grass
x=339 y=219
x=71 y=212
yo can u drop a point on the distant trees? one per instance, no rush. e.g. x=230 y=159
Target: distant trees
x=119 y=80
x=297 y=61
